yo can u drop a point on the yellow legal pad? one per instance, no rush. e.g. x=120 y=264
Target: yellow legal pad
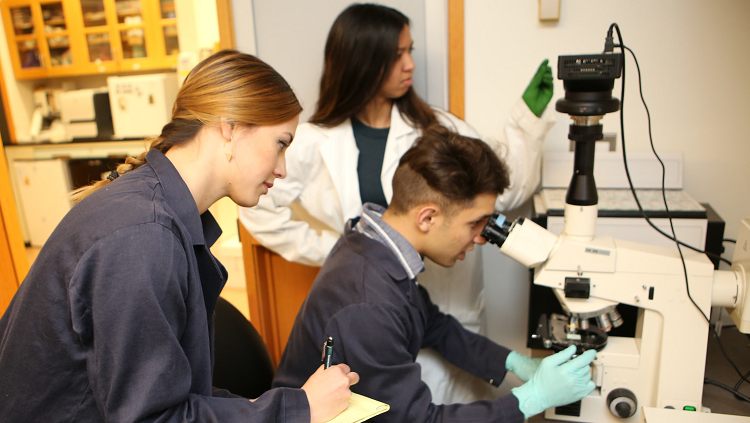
x=360 y=409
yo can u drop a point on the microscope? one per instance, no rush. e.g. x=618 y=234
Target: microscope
x=663 y=365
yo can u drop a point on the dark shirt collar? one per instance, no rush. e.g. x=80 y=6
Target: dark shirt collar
x=203 y=229
x=372 y=225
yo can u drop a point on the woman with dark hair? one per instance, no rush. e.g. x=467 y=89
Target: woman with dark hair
x=114 y=321
x=368 y=115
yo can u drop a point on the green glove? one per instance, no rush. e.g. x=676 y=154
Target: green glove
x=557 y=382
x=539 y=92
x=524 y=367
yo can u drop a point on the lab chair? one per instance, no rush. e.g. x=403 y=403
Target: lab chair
x=242 y=364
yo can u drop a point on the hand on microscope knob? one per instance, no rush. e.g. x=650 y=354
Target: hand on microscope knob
x=522 y=366
x=558 y=381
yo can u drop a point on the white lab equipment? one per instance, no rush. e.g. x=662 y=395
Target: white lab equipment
x=662 y=366
x=142 y=104
x=86 y=113
x=43 y=188
x=45 y=123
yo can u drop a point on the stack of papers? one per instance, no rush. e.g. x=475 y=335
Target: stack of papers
x=360 y=409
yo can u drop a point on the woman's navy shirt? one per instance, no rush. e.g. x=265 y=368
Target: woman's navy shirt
x=112 y=323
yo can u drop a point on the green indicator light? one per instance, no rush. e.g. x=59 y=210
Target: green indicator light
x=688 y=408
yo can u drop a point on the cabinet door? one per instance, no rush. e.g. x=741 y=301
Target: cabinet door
x=96 y=40
x=22 y=30
x=133 y=41
x=276 y=290
x=165 y=27
x=147 y=32
x=50 y=38
x=57 y=54
x=13 y=259
x=39 y=38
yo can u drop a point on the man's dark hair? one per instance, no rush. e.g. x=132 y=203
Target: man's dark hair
x=446 y=169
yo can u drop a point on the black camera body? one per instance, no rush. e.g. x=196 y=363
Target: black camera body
x=588 y=80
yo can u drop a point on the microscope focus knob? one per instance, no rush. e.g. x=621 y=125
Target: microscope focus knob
x=623 y=409
x=622 y=403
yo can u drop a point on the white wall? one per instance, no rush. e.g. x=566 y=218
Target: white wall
x=694 y=64
x=20 y=96
x=198 y=25
x=693 y=61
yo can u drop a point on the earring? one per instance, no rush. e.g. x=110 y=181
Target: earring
x=229 y=155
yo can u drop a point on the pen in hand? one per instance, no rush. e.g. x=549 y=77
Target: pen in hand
x=327 y=352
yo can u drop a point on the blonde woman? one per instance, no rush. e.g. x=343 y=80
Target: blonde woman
x=114 y=320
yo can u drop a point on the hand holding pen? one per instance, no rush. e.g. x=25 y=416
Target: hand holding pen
x=328 y=388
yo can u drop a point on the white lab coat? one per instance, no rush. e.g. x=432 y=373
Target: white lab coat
x=322 y=180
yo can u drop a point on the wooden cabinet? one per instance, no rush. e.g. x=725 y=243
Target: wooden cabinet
x=52 y=38
x=13 y=260
x=276 y=290
x=39 y=37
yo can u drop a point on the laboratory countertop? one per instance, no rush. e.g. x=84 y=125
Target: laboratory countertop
x=75 y=142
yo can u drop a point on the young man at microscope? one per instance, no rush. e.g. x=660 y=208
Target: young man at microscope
x=366 y=296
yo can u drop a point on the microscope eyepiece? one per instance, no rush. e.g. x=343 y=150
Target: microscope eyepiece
x=496 y=230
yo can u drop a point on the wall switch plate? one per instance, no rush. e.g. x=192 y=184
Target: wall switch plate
x=549 y=10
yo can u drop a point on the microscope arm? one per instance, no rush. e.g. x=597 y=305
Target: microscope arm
x=624 y=269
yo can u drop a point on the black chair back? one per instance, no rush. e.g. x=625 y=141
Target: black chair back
x=242 y=364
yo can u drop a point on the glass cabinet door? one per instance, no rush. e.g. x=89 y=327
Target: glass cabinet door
x=167 y=9
x=169 y=27
x=55 y=30
x=59 y=50
x=133 y=37
x=93 y=13
x=171 y=41
x=23 y=23
x=54 y=17
x=55 y=38
x=98 y=43
x=28 y=52
x=27 y=45
x=128 y=11
x=99 y=47
x=133 y=43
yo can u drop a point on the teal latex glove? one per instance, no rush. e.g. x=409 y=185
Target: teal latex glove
x=524 y=367
x=539 y=92
x=557 y=382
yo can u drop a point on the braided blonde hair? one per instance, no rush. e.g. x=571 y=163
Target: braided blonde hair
x=231 y=85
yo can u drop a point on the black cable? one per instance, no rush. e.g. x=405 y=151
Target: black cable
x=722 y=386
x=742 y=379
x=745 y=376
x=663 y=175
x=721 y=347
x=729 y=240
x=663 y=188
x=627 y=171
x=622 y=129
x=719 y=257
